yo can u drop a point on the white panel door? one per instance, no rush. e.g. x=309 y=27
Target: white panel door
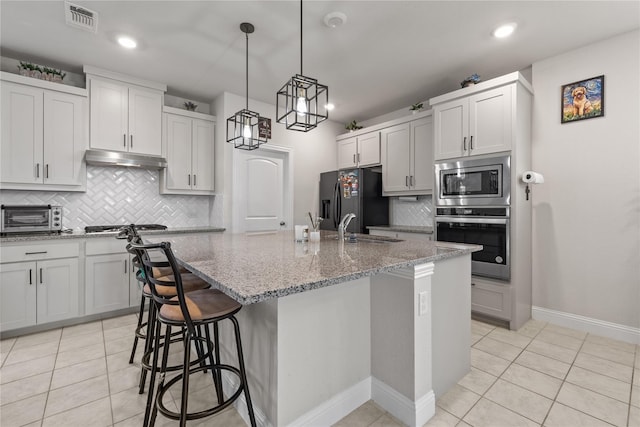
x=202 y=152
x=107 y=283
x=396 y=157
x=347 y=152
x=145 y=121
x=178 y=134
x=17 y=295
x=451 y=122
x=422 y=141
x=64 y=138
x=490 y=121
x=109 y=116
x=21 y=134
x=259 y=192
x=57 y=289
x=369 y=149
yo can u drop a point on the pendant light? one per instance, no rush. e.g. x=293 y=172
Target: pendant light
x=242 y=127
x=302 y=99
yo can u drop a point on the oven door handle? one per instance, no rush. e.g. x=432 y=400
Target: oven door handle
x=458 y=220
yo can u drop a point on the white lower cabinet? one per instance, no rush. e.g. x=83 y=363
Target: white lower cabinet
x=491 y=297
x=37 y=289
x=110 y=277
x=403 y=235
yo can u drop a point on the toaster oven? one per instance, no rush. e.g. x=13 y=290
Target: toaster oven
x=30 y=219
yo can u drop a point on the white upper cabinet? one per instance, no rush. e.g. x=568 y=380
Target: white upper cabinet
x=125 y=113
x=188 y=139
x=481 y=119
x=44 y=135
x=478 y=124
x=359 y=151
x=407 y=158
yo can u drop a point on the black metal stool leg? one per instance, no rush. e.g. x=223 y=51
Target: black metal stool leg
x=138 y=326
x=152 y=380
x=148 y=344
x=243 y=373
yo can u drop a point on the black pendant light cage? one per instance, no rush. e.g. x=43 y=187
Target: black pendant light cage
x=243 y=127
x=304 y=103
x=302 y=100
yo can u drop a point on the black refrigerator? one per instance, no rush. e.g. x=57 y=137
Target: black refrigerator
x=357 y=191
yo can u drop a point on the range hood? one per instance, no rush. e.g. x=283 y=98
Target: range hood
x=117 y=158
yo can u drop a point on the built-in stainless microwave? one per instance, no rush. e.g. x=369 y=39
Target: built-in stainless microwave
x=31 y=219
x=474 y=182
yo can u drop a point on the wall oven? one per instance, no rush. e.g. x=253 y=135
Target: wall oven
x=30 y=219
x=488 y=227
x=474 y=182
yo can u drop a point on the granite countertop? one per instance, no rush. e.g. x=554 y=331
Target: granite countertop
x=257 y=267
x=403 y=228
x=80 y=234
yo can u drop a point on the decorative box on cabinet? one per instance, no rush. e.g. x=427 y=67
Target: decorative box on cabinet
x=359 y=151
x=44 y=135
x=188 y=141
x=38 y=284
x=407 y=158
x=479 y=119
x=125 y=112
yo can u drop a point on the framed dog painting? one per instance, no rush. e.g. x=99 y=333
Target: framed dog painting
x=583 y=100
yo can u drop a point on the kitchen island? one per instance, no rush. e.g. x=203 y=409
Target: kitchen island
x=329 y=325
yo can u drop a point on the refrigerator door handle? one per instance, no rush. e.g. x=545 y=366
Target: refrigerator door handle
x=335 y=205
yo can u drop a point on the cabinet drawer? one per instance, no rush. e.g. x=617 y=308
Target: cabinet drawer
x=491 y=298
x=34 y=252
x=106 y=246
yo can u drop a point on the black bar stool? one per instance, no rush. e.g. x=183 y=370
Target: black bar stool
x=189 y=312
x=191 y=282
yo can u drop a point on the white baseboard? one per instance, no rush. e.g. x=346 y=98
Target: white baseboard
x=338 y=407
x=413 y=414
x=230 y=383
x=587 y=324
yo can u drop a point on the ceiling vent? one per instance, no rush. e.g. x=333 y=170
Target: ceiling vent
x=80 y=17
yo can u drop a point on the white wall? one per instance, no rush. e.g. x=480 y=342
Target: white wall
x=586 y=216
x=313 y=152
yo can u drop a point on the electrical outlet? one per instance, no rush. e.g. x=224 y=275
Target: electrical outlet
x=425 y=303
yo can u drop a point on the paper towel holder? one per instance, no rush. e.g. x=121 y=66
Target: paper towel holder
x=531 y=177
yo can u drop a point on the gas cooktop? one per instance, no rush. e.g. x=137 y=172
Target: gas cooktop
x=107 y=228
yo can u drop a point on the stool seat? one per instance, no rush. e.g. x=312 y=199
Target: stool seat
x=202 y=305
x=166 y=271
x=190 y=281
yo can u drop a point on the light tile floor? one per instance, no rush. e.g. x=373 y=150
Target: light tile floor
x=540 y=375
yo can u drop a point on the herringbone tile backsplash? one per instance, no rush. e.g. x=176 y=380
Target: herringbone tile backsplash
x=119 y=195
x=417 y=213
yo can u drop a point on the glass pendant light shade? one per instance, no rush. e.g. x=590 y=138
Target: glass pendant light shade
x=242 y=127
x=301 y=102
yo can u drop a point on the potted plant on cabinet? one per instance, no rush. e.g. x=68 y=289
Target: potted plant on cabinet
x=416 y=108
x=352 y=126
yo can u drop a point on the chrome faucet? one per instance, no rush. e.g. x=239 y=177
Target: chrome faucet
x=344 y=224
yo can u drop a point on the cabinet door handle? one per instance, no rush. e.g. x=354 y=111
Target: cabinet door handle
x=126 y=270
x=194 y=180
x=37 y=170
x=124 y=140
x=358 y=157
x=354 y=159
x=41 y=275
x=30 y=277
x=35 y=253
x=131 y=136
x=471 y=142
x=464 y=143
x=46 y=169
x=189 y=179
x=406 y=181
x=411 y=180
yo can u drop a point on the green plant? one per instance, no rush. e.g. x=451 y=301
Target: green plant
x=190 y=106
x=417 y=106
x=353 y=126
x=29 y=66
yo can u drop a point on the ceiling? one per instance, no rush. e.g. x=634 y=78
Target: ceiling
x=387 y=56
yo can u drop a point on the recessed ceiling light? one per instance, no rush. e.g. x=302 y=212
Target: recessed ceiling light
x=504 y=30
x=127 y=42
x=329 y=106
x=335 y=19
